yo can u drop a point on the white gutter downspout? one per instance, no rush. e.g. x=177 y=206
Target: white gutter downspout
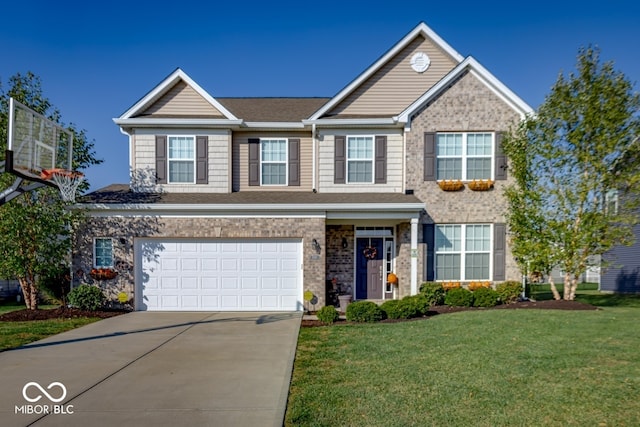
x=131 y=165
x=313 y=159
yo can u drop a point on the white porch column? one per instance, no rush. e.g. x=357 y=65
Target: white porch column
x=414 y=256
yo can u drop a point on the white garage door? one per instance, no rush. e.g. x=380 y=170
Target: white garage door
x=218 y=275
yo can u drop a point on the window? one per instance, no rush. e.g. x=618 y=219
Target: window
x=464 y=156
x=181 y=159
x=103 y=252
x=463 y=252
x=360 y=159
x=611 y=202
x=273 y=161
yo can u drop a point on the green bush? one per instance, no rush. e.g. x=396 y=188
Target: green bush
x=485 y=297
x=434 y=292
x=86 y=297
x=328 y=314
x=459 y=297
x=392 y=308
x=364 y=311
x=417 y=303
x=509 y=291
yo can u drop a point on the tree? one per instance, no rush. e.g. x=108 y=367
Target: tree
x=580 y=147
x=35 y=228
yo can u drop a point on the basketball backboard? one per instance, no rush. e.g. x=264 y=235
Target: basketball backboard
x=36 y=144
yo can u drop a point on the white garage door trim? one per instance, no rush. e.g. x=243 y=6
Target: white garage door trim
x=218 y=275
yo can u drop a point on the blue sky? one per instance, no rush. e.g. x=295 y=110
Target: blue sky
x=96 y=60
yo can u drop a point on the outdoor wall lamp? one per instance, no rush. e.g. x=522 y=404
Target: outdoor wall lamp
x=345 y=244
x=316 y=245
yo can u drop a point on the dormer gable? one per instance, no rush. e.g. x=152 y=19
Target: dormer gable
x=398 y=78
x=177 y=96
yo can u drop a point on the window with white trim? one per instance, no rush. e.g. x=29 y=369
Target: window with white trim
x=611 y=202
x=182 y=159
x=463 y=252
x=273 y=161
x=464 y=156
x=360 y=159
x=103 y=252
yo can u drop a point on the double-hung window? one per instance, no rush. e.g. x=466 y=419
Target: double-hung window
x=464 y=156
x=360 y=159
x=273 y=161
x=463 y=252
x=181 y=159
x=103 y=252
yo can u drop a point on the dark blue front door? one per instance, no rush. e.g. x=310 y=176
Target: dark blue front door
x=369 y=259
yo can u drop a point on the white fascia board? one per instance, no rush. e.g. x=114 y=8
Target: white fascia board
x=292 y=208
x=352 y=122
x=379 y=215
x=423 y=29
x=168 y=122
x=168 y=83
x=483 y=75
x=274 y=125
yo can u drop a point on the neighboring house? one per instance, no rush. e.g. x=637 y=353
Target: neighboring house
x=246 y=203
x=623 y=272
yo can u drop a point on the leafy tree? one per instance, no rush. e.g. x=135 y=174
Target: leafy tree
x=35 y=228
x=580 y=147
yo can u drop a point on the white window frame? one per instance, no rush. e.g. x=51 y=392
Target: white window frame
x=170 y=159
x=95 y=252
x=285 y=162
x=372 y=159
x=465 y=156
x=463 y=252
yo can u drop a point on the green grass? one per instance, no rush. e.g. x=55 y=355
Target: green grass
x=480 y=368
x=15 y=334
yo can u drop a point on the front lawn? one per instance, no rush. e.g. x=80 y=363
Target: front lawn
x=15 y=334
x=481 y=368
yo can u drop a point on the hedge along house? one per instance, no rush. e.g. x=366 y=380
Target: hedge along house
x=246 y=203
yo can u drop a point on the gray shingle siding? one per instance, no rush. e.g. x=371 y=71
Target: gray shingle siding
x=623 y=274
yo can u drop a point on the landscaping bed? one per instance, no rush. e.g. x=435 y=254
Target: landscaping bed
x=57 y=313
x=443 y=309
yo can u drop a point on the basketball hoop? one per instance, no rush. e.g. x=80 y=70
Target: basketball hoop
x=66 y=180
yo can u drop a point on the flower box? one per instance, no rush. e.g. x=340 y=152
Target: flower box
x=451 y=285
x=451 y=184
x=480 y=185
x=103 y=273
x=477 y=285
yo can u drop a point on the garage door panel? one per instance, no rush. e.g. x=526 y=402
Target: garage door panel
x=182 y=274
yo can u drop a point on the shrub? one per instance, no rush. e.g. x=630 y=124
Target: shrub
x=451 y=285
x=364 y=311
x=392 y=308
x=419 y=304
x=509 y=291
x=86 y=297
x=328 y=314
x=459 y=297
x=433 y=292
x=485 y=297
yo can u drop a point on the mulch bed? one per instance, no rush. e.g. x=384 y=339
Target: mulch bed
x=444 y=309
x=56 y=313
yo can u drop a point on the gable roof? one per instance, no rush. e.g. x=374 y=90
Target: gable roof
x=469 y=64
x=421 y=29
x=163 y=88
x=273 y=109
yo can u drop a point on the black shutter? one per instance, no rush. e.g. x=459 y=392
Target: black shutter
x=254 y=161
x=429 y=156
x=430 y=240
x=202 y=160
x=340 y=160
x=501 y=159
x=381 y=160
x=499 y=251
x=161 y=159
x=294 y=162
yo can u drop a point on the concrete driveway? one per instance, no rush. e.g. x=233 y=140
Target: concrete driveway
x=155 y=369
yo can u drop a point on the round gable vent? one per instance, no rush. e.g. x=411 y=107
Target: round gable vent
x=420 y=62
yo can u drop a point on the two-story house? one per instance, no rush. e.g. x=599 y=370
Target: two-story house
x=247 y=203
